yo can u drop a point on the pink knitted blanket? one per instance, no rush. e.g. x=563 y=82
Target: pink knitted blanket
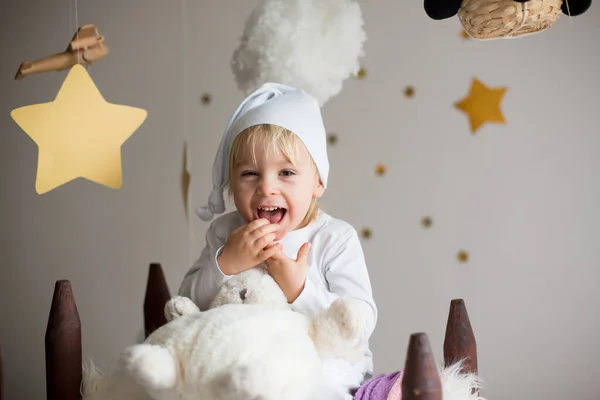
x=381 y=387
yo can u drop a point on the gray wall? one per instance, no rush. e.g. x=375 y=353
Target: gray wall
x=521 y=198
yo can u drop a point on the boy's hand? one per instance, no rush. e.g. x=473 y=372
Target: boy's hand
x=248 y=246
x=289 y=274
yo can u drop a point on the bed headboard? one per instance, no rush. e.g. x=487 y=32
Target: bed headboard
x=64 y=356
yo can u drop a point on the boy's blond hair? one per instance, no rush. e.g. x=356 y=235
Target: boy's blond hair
x=272 y=138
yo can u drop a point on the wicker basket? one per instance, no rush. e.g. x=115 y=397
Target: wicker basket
x=494 y=19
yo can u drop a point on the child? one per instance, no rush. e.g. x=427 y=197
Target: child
x=273 y=157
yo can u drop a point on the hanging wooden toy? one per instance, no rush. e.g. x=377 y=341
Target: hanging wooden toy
x=86 y=46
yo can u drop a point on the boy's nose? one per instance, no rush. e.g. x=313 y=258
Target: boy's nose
x=267 y=187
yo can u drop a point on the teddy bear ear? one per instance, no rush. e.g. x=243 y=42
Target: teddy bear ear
x=441 y=9
x=575 y=7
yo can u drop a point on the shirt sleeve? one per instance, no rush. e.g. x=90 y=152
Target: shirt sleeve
x=204 y=279
x=345 y=269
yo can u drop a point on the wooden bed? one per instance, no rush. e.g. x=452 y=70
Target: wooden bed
x=64 y=354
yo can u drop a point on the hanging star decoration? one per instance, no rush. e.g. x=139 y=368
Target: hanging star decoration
x=482 y=105
x=186 y=179
x=78 y=134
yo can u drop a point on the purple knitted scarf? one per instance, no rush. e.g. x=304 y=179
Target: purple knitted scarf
x=377 y=388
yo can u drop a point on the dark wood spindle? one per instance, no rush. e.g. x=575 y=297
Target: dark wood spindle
x=157 y=295
x=1 y=377
x=420 y=380
x=459 y=343
x=63 y=346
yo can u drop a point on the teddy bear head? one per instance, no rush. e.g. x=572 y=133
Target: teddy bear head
x=254 y=286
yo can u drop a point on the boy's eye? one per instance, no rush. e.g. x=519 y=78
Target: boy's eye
x=287 y=173
x=249 y=173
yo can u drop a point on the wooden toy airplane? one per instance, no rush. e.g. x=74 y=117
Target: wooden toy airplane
x=86 y=46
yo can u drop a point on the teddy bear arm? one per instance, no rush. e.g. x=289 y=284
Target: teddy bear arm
x=336 y=331
x=178 y=306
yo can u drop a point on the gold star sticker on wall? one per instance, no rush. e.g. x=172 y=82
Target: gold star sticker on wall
x=380 y=169
x=409 y=91
x=463 y=256
x=205 y=99
x=464 y=35
x=366 y=233
x=78 y=134
x=362 y=73
x=332 y=138
x=482 y=105
x=426 y=222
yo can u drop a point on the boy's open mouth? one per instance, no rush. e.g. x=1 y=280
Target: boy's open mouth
x=273 y=214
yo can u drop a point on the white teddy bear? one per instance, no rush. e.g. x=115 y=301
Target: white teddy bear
x=249 y=345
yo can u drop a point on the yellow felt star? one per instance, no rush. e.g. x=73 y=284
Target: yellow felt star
x=482 y=105
x=79 y=134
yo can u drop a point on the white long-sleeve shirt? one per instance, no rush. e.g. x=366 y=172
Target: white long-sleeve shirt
x=336 y=268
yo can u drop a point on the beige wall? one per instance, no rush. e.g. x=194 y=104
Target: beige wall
x=521 y=198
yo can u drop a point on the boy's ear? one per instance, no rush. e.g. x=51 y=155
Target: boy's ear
x=319 y=189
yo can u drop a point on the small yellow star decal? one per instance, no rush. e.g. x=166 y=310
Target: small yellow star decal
x=362 y=73
x=482 y=105
x=366 y=233
x=380 y=169
x=463 y=256
x=409 y=91
x=332 y=138
x=464 y=35
x=206 y=99
x=78 y=134
x=426 y=222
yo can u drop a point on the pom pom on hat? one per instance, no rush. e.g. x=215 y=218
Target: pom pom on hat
x=313 y=45
x=276 y=104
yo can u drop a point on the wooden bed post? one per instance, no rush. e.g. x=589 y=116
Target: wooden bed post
x=420 y=380
x=157 y=295
x=459 y=342
x=63 y=346
x=1 y=377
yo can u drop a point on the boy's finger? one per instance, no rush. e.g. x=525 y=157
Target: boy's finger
x=265 y=241
x=272 y=251
x=263 y=230
x=303 y=252
x=257 y=223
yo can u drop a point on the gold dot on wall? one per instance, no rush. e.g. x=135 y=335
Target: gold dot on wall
x=205 y=99
x=380 y=169
x=332 y=138
x=464 y=35
x=463 y=256
x=366 y=233
x=409 y=91
x=426 y=222
x=362 y=73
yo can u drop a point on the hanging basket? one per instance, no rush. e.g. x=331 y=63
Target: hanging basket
x=496 y=19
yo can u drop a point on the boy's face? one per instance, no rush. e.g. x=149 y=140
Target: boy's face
x=275 y=189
